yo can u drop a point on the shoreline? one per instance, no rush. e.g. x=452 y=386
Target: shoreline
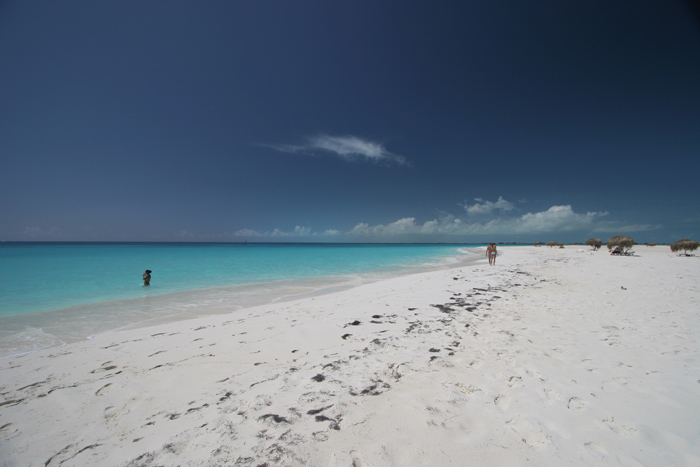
x=548 y=358
x=50 y=329
x=47 y=276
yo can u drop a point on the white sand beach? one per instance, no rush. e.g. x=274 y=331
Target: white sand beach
x=551 y=357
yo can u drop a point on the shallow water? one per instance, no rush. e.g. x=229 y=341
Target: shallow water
x=54 y=294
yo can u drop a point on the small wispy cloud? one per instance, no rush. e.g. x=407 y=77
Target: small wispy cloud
x=298 y=231
x=37 y=233
x=486 y=207
x=349 y=148
x=626 y=228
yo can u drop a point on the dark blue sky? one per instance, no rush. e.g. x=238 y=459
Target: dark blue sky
x=349 y=121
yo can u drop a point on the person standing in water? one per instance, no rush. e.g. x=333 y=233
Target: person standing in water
x=147 y=277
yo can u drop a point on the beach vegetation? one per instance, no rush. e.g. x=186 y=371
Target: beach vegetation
x=596 y=243
x=684 y=244
x=623 y=241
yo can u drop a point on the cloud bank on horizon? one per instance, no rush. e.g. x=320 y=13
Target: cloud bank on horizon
x=556 y=219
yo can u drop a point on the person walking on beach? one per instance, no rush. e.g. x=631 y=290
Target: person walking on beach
x=491 y=253
x=147 y=277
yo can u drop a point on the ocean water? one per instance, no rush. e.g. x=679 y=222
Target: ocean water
x=55 y=293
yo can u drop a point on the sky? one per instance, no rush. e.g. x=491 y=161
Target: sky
x=365 y=121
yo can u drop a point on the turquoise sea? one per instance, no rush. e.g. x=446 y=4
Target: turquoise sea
x=56 y=293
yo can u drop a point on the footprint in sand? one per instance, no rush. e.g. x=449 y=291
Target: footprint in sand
x=556 y=429
x=616 y=385
x=595 y=447
x=103 y=390
x=529 y=433
x=475 y=364
x=594 y=453
x=576 y=404
x=106 y=366
x=502 y=402
x=7 y=430
x=468 y=390
x=356 y=460
x=553 y=395
x=621 y=430
x=514 y=381
x=60 y=456
x=111 y=412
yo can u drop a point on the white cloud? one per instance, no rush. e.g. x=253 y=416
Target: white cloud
x=360 y=229
x=485 y=207
x=556 y=219
x=349 y=148
x=248 y=233
x=408 y=225
x=297 y=232
x=302 y=231
x=401 y=226
x=32 y=231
